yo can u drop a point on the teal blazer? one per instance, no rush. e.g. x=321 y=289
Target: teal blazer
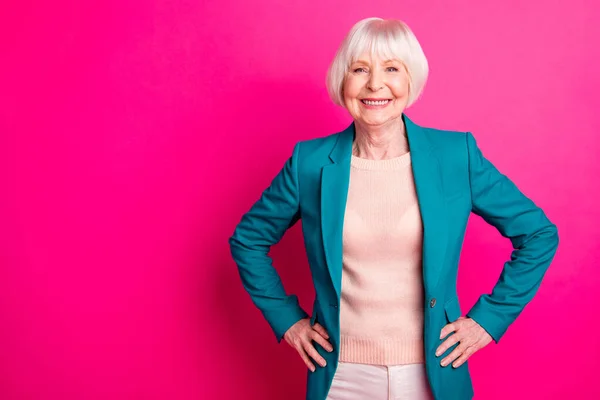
x=452 y=179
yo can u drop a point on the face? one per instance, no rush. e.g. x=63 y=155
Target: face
x=375 y=90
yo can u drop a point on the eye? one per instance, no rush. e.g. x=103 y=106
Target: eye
x=394 y=69
x=357 y=70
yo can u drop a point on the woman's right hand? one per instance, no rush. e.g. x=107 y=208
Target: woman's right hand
x=300 y=336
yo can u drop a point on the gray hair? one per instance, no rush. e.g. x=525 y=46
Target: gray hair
x=388 y=39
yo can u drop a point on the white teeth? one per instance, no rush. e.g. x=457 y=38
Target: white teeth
x=375 y=103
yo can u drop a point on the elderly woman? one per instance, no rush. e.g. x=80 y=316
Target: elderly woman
x=384 y=206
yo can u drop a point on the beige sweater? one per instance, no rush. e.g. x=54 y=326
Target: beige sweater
x=381 y=310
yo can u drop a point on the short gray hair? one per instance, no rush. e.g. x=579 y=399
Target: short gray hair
x=389 y=39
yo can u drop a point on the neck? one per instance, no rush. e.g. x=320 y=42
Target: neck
x=380 y=142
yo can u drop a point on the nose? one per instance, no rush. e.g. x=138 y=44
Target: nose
x=375 y=82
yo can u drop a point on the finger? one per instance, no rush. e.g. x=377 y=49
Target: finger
x=319 y=328
x=314 y=354
x=463 y=357
x=448 y=329
x=453 y=355
x=451 y=341
x=305 y=358
x=322 y=341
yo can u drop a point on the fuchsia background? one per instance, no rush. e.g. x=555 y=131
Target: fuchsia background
x=134 y=135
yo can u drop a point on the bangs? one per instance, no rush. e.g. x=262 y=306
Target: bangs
x=379 y=40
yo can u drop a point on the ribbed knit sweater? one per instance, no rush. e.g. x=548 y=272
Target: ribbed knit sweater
x=381 y=310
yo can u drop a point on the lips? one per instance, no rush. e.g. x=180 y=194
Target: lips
x=375 y=102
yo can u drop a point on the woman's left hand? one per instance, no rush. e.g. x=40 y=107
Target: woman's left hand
x=471 y=337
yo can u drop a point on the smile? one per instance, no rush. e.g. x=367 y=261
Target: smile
x=375 y=103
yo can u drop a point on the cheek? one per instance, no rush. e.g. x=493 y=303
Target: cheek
x=351 y=88
x=400 y=86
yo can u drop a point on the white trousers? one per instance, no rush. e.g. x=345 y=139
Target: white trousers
x=353 y=381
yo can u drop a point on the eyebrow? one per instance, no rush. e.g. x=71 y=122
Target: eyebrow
x=365 y=62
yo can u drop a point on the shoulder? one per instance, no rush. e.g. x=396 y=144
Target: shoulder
x=311 y=155
x=315 y=151
x=445 y=138
x=319 y=144
x=450 y=149
x=449 y=145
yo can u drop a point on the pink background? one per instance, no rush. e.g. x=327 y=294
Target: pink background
x=134 y=135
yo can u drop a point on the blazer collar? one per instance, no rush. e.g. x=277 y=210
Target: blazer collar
x=342 y=150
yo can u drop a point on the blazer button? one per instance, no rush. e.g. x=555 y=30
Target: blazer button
x=432 y=302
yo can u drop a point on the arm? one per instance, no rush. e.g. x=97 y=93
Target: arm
x=534 y=238
x=262 y=226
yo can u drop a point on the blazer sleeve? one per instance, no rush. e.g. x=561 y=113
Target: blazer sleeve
x=262 y=226
x=534 y=238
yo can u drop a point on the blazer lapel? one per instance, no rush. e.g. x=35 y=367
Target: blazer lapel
x=428 y=183
x=335 y=179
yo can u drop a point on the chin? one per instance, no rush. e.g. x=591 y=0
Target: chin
x=379 y=119
x=375 y=122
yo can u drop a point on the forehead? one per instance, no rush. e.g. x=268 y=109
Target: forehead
x=377 y=48
x=367 y=58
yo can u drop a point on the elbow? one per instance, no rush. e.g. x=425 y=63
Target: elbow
x=235 y=243
x=239 y=251
x=545 y=236
x=553 y=241
x=232 y=246
x=555 y=238
x=244 y=243
x=548 y=238
x=550 y=233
